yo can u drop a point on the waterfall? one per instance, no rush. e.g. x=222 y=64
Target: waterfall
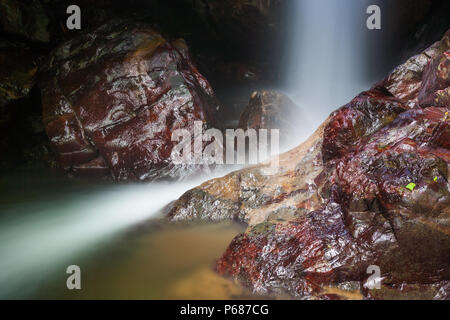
x=324 y=61
x=324 y=68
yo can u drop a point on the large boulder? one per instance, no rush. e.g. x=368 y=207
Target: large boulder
x=368 y=189
x=112 y=99
x=271 y=110
x=423 y=77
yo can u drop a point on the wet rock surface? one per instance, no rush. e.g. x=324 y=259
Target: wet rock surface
x=270 y=110
x=423 y=79
x=368 y=188
x=113 y=97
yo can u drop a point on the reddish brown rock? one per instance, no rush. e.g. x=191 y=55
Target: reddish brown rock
x=368 y=216
x=369 y=188
x=419 y=75
x=435 y=90
x=364 y=115
x=271 y=110
x=112 y=99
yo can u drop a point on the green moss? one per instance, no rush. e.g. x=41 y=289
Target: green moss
x=264 y=228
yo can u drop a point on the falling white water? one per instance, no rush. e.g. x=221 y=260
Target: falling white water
x=324 y=63
x=323 y=71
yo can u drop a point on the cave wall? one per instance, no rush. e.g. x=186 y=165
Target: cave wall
x=232 y=42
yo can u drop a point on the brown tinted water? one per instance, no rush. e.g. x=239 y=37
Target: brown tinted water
x=113 y=233
x=169 y=262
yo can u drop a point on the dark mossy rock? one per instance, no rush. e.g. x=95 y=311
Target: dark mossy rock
x=17 y=73
x=23 y=140
x=27 y=19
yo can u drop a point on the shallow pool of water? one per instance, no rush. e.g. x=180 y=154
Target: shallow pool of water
x=113 y=233
x=153 y=262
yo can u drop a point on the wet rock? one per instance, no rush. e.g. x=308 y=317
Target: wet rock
x=404 y=291
x=408 y=79
x=369 y=188
x=252 y=195
x=112 y=99
x=359 y=119
x=363 y=215
x=301 y=256
x=435 y=90
x=211 y=202
x=397 y=155
x=270 y=110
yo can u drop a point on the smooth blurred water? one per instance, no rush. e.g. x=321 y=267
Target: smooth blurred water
x=46 y=222
x=325 y=57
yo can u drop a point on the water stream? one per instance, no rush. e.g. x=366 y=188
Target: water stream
x=48 y=222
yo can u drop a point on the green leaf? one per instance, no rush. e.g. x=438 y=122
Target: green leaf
x=411 y=186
